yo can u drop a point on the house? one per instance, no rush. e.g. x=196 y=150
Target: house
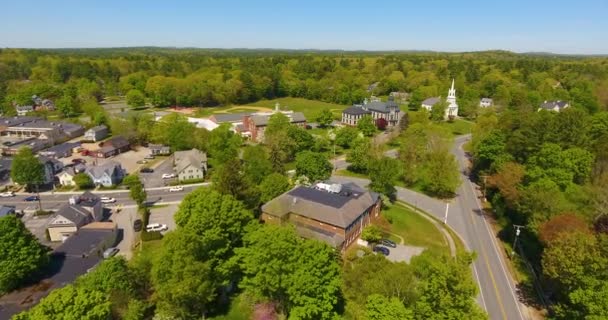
x=113 y=147
x=486 y=102
x=96 y=133
x=159 y=149
x=66 y=177
x=80 y=211
x=35 y=144
x=377 y=109
x=428 y=103
x=190 y=164
x=24 y=110
x=27 y=127
x=557 y=105
x=254 y=125
x=5 y=169
x=107 y=174
x=451 y=111
x=400 y=97
x=51 y=168
x=6 y=210
x=63 y=150
x=330 y=212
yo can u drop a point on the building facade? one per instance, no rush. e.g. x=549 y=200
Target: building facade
x=190 y=164
x=375 y=108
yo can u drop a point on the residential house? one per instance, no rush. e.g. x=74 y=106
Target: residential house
x=388 y=111
x=159 y=150
x=486 y=102
x=107 y=174
x=66 y=177
x=255 y=125
x=80 y=211
x=96 y=133
x=6 y=210
x=63 y=150
x=190 y=164
x=24 y=110
x=557 y=105
x=330 y=212
x=113 y=147
x=51 y=168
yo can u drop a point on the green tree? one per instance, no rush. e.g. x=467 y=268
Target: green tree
x=302 y=139
x=27 y=169
x=273 y=185
x=438 y=111
x=314 y=166
x=136 y=189
x=371 y=233
x=256 y=164
x=175 y=131
x=22 y=255
x=384 y=173
x=325 y=117
x=83 y=181
x=135 y=98
x=69 y=106
x=381 y=308
x=359 y=155
x=223 y=144
x=404 y=122
x=367 y=126
x=229 y=179
x=441 y=176
x=346 y=136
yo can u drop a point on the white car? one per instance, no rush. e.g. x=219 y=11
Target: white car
x=176 y=189
x=107 y=200
x=168 y=175
x=156 y=227
x=7 y=194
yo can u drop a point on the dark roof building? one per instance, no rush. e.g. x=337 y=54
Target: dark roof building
x=334 y=213
x=388 y=110
x=557 y=105
x=61 y=150
x=6 y=210
x=228 y=117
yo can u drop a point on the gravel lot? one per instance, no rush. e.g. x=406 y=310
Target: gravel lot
x=404 y=253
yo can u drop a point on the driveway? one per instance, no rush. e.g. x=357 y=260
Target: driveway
x=127 y=236
x=164 y=215
x=403 y=253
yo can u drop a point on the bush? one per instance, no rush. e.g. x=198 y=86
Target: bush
x=39 y=213
x=371 y=233
x=150 y=236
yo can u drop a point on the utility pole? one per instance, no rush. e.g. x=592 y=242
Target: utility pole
x=517 y=232
x=484 y=187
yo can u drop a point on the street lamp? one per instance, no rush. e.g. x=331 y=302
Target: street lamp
x=517 y=232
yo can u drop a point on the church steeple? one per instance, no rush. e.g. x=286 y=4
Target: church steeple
x=452 y=94
x=452 y=109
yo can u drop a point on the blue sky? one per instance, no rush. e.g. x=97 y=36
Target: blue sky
x=556 y=26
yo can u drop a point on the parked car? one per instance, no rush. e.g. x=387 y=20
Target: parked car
x=137 y=224
x=107 y=200
x=78 y=160
x=146 y=170
x=176 y=189
x=156 y=227
x=31 y=198
x=110 y=252
x=142 y=161
x=383 y=250
x=149 y=157
x=7 y=194
x=168 y=175
x=388 y=243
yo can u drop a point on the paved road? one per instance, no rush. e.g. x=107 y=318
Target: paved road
x=497 y=289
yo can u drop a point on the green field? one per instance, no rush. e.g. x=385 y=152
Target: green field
x=415 y=229
x=310 y=108
x=458 y=126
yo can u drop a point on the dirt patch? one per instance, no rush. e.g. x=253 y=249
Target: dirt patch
x=244 y=108
x=183 y=110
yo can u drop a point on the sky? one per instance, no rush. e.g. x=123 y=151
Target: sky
x=573 y=27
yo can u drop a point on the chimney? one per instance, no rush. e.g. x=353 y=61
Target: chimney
x=295 y=200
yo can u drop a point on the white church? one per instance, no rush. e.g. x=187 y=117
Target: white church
x=451 y=111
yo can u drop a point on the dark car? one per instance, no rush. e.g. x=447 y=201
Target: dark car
x=146 y=170
x=384 y=250
x=388 y=243
x=137 y=224
x=31 y=198
x=78 y=161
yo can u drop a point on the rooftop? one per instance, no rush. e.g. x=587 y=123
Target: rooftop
x=431 y=101
x=262 y=119
x=230 y=117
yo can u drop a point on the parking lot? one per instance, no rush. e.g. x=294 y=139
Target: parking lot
x=403 y=253
x=128 y=160
x=154 y=179
x=164 y=215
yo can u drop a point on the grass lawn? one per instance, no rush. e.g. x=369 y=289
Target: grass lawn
x=415 y=229
x=348 y=173
x=458 y=126
x=310 y=108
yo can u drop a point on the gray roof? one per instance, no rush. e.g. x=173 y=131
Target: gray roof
x=76 y=214
x=338 y=209
x=486 y=100
x=193 y=157
x=230 y=117
x=106 y=168
x=431 y=101
x=25 y=108
x=383 y=107
x=83 y=242
x=98 y=128
x=62 y=148
x=158 y=146
x=13 y=121
x=262 y=120
x=117 y=142
x=356 y=110
x=6 y=210
x=550 y=105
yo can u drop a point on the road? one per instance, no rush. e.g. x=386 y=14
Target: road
x=464 y=215
x=52 y=201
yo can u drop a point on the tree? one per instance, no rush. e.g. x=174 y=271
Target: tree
x=26 y=168
x=272 y=186
x=22 y=255
x=68 y=106
x=84 y=304
x=136 y=189
x=404 y=122
x=256 y=164
x=135 y=98
x=381 y=308
x=371 y=233
x=559 y=225
x=175 y=131
x=314 y=166
x=301 y=276
x=507 y=179
x=325 y=117
x=441 y=176
x=83 y=181
x=384 y=173
x=301 y=138
x=229 y=179
x=366 y=126
x=358 y=157
x=346 y=136
x=438 y=111
x=223 y=144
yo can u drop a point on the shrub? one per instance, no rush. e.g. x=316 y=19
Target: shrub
x=150 y=236
x=371 y=233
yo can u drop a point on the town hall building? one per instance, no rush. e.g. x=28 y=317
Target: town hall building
x=375 y=108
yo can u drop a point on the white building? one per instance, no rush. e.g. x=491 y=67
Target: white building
x=486 y=102
x=190 y=164
x=556 y=106
x=452 y=109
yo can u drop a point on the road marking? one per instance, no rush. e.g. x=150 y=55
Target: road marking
x=483 y=300
x=496 y=247
x=447 y=206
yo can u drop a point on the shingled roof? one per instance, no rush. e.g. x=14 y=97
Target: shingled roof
x=193 y=157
